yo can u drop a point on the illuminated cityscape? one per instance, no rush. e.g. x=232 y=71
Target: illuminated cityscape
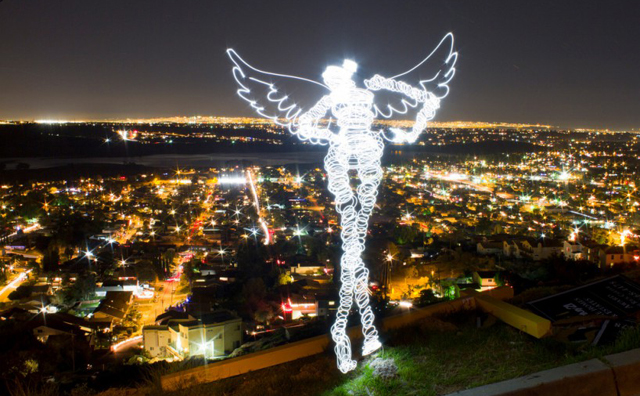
x=156 y=237
x=195 y=250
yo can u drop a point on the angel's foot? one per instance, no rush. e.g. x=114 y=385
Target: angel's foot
x=346 y=365
x=371 y=345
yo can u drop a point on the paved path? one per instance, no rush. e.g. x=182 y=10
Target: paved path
x=19 y=279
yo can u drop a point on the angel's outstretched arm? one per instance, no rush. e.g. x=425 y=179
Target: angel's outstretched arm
x=430 y=104
x=307 y=128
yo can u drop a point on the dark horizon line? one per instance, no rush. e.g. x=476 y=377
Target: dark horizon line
x=121 y=119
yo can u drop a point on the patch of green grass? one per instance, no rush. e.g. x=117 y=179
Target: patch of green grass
x=433 y=363
x=436 y=363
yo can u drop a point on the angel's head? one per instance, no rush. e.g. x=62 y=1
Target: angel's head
x=339 y=77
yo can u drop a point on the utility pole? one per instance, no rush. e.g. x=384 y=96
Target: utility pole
x=73 y=352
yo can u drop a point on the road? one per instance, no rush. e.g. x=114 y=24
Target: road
x=118 y=354
x=19 y=279
x=475 y=186
x=26 y=230
x=149 y=309
x=165 y=298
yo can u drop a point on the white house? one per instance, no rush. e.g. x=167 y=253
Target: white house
x=307 y=269
x=212 y=335
x=512 y=249
x=485 y=279
x=572 y=250
x=542 y=249
x=488 y=247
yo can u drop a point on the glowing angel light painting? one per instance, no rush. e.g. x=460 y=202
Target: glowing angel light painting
x=353 y=145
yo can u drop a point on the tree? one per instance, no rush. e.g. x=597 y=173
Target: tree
x=190 y=269
x=251 y=259
x=146 y=271
x=132 y=319
x=33 y=265
x=404 y=234
x=483 y=226
x=500 y=279
x=106 y=262
x=426 y=298
x=50 y=259
x=570 y=272
x=264 y=313
x=394 y=251
x=20 y=293
x=253 y=294
x=167 y=260
x=83 y=289
x=73 y=229
x=284 y=278
x=601 y=236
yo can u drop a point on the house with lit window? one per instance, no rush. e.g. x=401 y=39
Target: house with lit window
x=618 y=255
x=302 y=266
x=541 y=249
x=485 y=279
x=595 y=252
x=212 y=335
x=326 y=305
x=48 y=325
x=573 y=250
x=299 y=305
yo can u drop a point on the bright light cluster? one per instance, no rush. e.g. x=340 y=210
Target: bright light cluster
x=232 y=180
x=355 y=146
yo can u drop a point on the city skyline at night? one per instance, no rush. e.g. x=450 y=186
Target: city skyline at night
x=567 y=64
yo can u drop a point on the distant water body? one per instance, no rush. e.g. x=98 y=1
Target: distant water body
x=198 y=160
x=173 y=160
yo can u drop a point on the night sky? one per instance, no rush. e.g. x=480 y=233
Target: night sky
x=565 y=63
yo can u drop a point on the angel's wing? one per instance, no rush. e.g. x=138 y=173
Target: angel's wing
x=265 y=91
x=432 y=74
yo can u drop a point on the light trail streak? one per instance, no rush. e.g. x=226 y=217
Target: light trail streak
x=584 y=215
x=26 y=230
x=263 y=224
x=117 y=346
x=12 y=284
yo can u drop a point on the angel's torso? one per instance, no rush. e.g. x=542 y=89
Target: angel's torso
x=353 y=109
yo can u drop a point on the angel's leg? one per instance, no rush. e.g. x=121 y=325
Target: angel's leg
x=370 y=174
x=337 y=167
